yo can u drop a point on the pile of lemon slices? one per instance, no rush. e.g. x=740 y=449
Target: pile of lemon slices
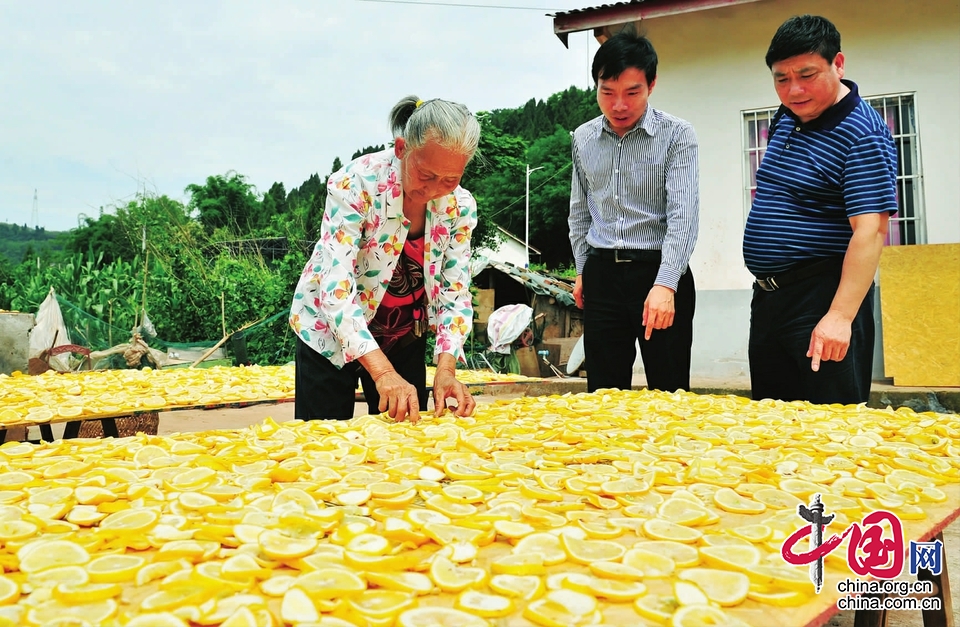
x=53 y=395
x=625 y=508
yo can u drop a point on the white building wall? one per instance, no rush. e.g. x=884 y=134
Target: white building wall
x=509 y=251
x=712 y=68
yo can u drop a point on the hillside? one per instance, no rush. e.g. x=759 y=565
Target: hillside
x=20 y=242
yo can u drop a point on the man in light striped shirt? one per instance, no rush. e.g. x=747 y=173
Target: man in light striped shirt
x=634 y=215
x=825 y=190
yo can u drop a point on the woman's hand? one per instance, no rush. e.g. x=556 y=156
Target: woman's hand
x=397 y=397
x=446 y=386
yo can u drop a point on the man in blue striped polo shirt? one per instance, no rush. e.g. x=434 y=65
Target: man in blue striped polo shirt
x=825 y=190
x=634 y=211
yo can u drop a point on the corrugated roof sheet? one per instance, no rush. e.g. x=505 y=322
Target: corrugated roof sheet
x=599 y=6
x=539 y=283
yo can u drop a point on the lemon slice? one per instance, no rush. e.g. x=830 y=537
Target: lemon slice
x=616 y=570
x=666 y=530
x=703 y=616
x=752 y=533
x=519 y=564
x=130 y=520
x=329 y=583
x=682 y=511
x=452 y=534
x=276 y=545
x=783 y=576
x=483 y=604
x=156 y=619
x=369 y=544
x=53 y=612
x=297 y=607
x=778 y=499
x=800 y=488
x=587 y=551
x=546 y=545
x=562 y=608
x=86 y=593
x=603 y=530
x=416 y=583
x=439 y=617
x=381 y=604
x=457 y=471
x=513 y=530
x=776 y=596
x=732 y=557
x=650 y=563
x=17 y=530
x=932 y=494
x=461 y=493
x=687 y=593
x=421 y=517
x=114 y=568
x=657 y=608
x=450 y=577
x=720 y=586
x=615 y=590
x=728 y=500
x=526 y=587
x=9 y=591
x=43 y=555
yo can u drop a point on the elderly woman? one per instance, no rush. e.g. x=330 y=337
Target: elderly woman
x=392 y=261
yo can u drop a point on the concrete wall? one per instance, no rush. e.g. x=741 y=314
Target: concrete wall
x=15 y=341
x=711 y=69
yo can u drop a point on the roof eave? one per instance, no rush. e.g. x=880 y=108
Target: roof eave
x=598 y=17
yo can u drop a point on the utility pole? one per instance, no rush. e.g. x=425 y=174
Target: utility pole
x=526 y=238
x=35 y=214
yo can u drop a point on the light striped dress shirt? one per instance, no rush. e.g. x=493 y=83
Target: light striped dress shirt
x=638 y=192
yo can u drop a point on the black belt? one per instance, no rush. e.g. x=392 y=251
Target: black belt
x=798 y=273
x=623 y=255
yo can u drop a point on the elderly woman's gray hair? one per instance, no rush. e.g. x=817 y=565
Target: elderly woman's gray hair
x=450 y=124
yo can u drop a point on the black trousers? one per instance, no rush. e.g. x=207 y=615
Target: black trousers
x=613 y=323
x=325 y=391
x=780 y=326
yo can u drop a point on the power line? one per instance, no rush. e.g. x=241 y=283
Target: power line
x=461 y=4
x=519 y=198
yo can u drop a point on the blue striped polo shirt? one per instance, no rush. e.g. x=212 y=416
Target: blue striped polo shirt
x=813 y=178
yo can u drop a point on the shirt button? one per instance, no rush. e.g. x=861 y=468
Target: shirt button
x=798 y=128
x=616 y=171
x=788 y=146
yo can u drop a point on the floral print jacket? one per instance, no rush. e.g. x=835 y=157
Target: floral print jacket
x=362 y=235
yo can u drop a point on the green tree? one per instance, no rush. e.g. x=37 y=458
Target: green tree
x=226 y=202
x=492 y=176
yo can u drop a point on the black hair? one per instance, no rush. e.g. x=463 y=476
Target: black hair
x=623 y=51
x=804 y=34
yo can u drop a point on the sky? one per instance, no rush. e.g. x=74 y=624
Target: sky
x=105 y=99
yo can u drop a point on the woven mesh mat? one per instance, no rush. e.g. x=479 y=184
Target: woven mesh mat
x=131 y=425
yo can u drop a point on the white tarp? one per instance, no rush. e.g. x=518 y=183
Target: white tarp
x=506 y=324
x=49 y=326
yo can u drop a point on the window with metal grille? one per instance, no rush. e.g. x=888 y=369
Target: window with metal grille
x=899 y=112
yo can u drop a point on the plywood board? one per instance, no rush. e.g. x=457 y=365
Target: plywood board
x=920 y=308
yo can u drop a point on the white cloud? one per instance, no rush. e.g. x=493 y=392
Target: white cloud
x=100 y=99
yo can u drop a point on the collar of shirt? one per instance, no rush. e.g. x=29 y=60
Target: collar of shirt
x=829 y=119
x=649 y=122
